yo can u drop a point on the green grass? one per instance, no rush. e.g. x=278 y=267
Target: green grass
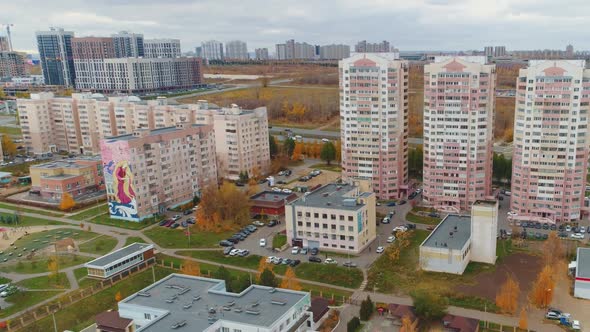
x=101 y=245
x=4 y=280
x=24 y=300
x=81 y=314
x=20 y=169
x=338 y=295
x=472 y=302
x=9 y=206
x=105 y=219
x=44 y=282
x=10 y=131
x=92 y=212
x=176 y=238
x=414 y=218
x=40 y=266
x=83 y=281
x=249 y=262
x=326 y=167
x=279 y=240
x=133 y=239
x=330 y=274
x=80 y=273
x=29 y=221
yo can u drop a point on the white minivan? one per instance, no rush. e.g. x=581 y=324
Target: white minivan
x=263 y=242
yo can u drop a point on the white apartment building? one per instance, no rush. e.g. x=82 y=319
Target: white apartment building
x=459 y=94
x=261 y=54
x=212 y=50
x=551 y=139
x=334 y=52
x=236 y=50
x=374 y=121
x=128 y=44
x=338 y=217
x=162 y=48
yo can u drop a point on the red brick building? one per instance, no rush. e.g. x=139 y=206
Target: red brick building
x=270 y=203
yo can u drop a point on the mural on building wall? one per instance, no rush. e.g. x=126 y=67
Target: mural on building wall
x=119 y=181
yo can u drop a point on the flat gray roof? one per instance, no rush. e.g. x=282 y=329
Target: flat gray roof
x=256 y=305
x=452 y=232
x=583 y=268
x=271 y=196
x=116 y=255
x=152 y=132
x=332 y=196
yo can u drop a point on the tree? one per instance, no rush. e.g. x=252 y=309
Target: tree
x=223 y=208
x=289 y=146
x=272 y=146
x=263 y=265
x=353 y=324
x=290 y=280
x=429 y=305
x=553 y=251
x=253 y=186
x=8 y=146
x=507 y=297
x=190 y=267
x=415 y=161
x=53 y=267
x=243 y=177
x=367 y=308
x=267 y=278
x=298 y=151
x=118 y=296
x=223 y=274
x=523 y=323
x=542 y=292
x=338 y=147
x=2 y=94
x=328 y=152
x=408 y=325
x=67 y=202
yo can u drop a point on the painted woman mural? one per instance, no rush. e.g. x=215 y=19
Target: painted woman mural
x=123 y=183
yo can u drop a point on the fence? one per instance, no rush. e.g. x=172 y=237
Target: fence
x=42 y=311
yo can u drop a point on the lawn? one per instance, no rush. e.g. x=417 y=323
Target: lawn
x=20 y=169
x=279 y=240
x=40 y=265
x=25 y=300
x=81 y=314
x=10 y=131
x=105 y=219
x=28 y=221
x=8 y=206
x=133 y=239
x=176 y=238
x=44 y=282
x=414 y=218
x=326 y=167
x=330 y=274
x=249 y=262
x=83 y=282
x=100 y=245
x=91 y=212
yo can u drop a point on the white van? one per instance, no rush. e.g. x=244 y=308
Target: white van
x=325 y=140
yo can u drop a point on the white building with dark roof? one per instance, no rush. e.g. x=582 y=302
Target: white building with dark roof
x=121 y=260
x=582 y=281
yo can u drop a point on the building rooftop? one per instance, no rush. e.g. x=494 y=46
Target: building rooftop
x=340 y=196
x=5 y=174
x=198 y=302
x=67 y=163
x=116 y=255
x=270 y=196
x=486 y=202
x=452 y=232
x=583 y=269
x=60 y=177
x=151 y=132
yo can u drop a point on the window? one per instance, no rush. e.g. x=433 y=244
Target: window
x=147 y=316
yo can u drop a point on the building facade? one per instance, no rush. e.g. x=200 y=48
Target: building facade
x=261 y=54
x=149 y=171
x=4 y=45
x=459 y=94
x=292 y=50
x=236 y=50
x=12 y=64
x=128 y=44
x=162 y=48
x=212 y=50
x=364 y=47
x=93 y=48
x=334 y=52
x=78 y=177
x=57 y=60
x=582 y=276
x=337 y=217
x=374 y=122
x=121 y=260
x=551 y=140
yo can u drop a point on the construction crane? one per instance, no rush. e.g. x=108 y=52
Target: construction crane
x=8 y=25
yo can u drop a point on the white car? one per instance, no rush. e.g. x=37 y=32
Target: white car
x=258 y=223
x=400 y=229
x=512 y=214
x=576 y=325
x=325 y=140
x=385 y=220
x=577 y=236
x=380 y=250
x=582 y=229
x=295 y=250
x=271 y=259
x=419 y=190
x=234 y=252
x=287 y=191
x=276 y=189
x=263 y=243
x=390 y=239
x=330 y=261
x=176 y=217
x=568 y=228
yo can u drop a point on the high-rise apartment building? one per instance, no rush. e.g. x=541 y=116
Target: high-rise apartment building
x=92 y=48
x=261 y=53
x=551 y=139
x=569 y=51
x=281 y=51
x=364 y=47
x=162 y=48
x=55 y=52
x=488 y=51
x=4 y=45
x=374 y=121
x=291 y=50
x=499 y=51
x=128 y=44
x=12 y=64
x=458 y=131
x=236 y=50
x=150 y=170
x=212 y=50
x=199 y=51
x=334 y=52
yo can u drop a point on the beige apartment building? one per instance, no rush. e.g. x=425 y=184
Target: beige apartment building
x=150 y=170
x=77 y=124
x=338 y=217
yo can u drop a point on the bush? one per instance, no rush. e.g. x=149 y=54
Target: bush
x=429 y=306
x=353 y=324
x=367 y=308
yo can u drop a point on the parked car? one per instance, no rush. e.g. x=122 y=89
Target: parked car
x=568 y=228
x=240 y=184
x=174 y=225
x=243 y=252
x=545 y=226
x=286 y=261
x=226 y=243
x=402 y=202
x=176 y=217
x=314 y=251
x=234 y=252
x=576 y=325
x=262 y=242
x=314 y=259
x=227 y=250
x=276 y=189
x=579 y=236
x=390 y=239
x=385 y=220
x=191 y=221
x=562 y=235
x=163 y=222
x=187 y=212
x=294 y=262
x=258 y=223
x=553 y=227
x=582 y=229
x=272 y=223
x=330 y=261
x=429 y=228
x=433 y=215
x=251 y=228
x=287 y=191
x=262 y=181
x=411 y=226
x=295 y=250
x=412 y=195
x=399 y=229
x=380 y=250
x=391 y=204
x=184 y=224
x=552 y=315
x=233 y=240
x=349 y=264
x=303 y=251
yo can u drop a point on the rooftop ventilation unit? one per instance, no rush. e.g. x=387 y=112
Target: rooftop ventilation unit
x=226 y=308
x=272 y=290
x=278 y=302
x=253 y=312
x=238 y=309
x=196 y=298
x=178 y=324
x=255 y=304
x=184 y=291
x=144 y=294
x=231 y=303
x=187 y=306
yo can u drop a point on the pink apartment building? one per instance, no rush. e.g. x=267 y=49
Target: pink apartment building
x=551 y=138
x=374 y=121
x=458 y=131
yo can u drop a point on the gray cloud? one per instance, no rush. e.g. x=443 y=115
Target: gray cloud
x=409 y=25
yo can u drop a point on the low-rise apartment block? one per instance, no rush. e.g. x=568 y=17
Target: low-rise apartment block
x=148 y=171
x=77 y=177
x=338 y=217
x=162 y=48
x=12 y=64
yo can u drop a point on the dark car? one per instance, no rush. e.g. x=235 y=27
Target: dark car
x=538 y=236
x=163 y=222
x=391 y=204
x=233 y=240
x=553 y=227
x=562 y=235
x=227 y=249
x=169 y=222
x=314 y=259
x=251 y=228
x=187 y=212
x=545 y=236
x=434 y=215
x=281 y=182
x=226 y=243
x=402 y=202
x=314 y=251
x=545 y=226
x=240 y=184
x=288 y=172
x=524 y=224
x=174 y=225
x=411 y=226
x=413 y=195
x=287 y=261
x=272 y=223
x=294 y=262
x=538 y=225
x=262 y=181
x=184 y=224
x=191 y=221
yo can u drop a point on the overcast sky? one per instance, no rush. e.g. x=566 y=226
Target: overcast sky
x=407 y=24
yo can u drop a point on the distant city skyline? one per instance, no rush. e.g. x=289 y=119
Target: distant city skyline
x=426 y=25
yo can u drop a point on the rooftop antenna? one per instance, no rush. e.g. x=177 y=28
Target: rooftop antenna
x=8 y=25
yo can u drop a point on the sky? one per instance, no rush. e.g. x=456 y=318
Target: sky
x=408 y=24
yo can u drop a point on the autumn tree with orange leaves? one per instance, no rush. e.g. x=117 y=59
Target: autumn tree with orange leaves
x=543 y=288
x=507 y=297
x=523 y=322
x=190 y=267
x=67 y=202
x=290 y=280
x=408 y=325
x=298 y=151
x=118 y=297
x=222 y=209
x=553 y=251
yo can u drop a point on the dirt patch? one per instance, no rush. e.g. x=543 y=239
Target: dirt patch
x=523 y=267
